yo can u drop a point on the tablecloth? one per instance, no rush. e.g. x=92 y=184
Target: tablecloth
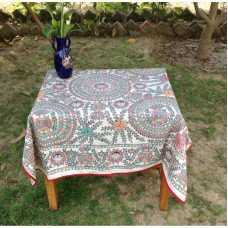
x=107 y=121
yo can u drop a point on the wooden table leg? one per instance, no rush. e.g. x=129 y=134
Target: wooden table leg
x=164 y=192
x=52 y=194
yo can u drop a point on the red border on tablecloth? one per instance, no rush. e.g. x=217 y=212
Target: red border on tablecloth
x=170 y=190
x=112 y=174
x=29 y=175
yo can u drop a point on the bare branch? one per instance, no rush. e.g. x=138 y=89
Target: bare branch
x=201 y=13
x=220 y=19
x=213 y=10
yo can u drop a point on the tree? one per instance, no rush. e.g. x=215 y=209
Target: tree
x=213 y=20
x=34 y=16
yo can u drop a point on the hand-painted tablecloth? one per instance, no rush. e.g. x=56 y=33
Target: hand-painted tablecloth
x=107 y=121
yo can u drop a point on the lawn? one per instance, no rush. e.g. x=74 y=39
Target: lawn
x=123 y=199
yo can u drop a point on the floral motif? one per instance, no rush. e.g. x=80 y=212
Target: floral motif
x=168 y=93
x=120 y=128
x=119 y=125
x=89 y=129
x=180 y=141
x=86 y=131
x=107 y=121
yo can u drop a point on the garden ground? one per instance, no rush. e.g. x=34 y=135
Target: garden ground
x=133 y=199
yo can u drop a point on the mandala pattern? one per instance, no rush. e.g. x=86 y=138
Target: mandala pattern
x=99 y=87
x=105 y=122
x=53 y=123
x=153 y=118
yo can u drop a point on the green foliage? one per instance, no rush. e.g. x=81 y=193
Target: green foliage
x=162 y=12
x=175 y=15
x=173 y=19
x=62 y=27
x=87 y=26
x=35 y=6
x=178 y=10
x=158 y=10
x=124 y=7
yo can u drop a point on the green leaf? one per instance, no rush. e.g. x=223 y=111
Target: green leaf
x=48 y=30
x=55 y=24
x=67 y=29
x=61 y=27
x=51 y=8
x=68 y=14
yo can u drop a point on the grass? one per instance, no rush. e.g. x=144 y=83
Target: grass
x=220 y=157
x=137 y=193
x=98 y=200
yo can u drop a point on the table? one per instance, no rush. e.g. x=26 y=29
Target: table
x=105 y=122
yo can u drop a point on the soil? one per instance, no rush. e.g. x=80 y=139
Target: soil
x=179 y=51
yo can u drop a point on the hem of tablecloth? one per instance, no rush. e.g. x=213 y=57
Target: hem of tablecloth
x=29 y=175
x=167 y=183
x=102 y=174
x=110 y=174
x=171 y=191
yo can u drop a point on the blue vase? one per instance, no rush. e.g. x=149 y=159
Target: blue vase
x=62 y=59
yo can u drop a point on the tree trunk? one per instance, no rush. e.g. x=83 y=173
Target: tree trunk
x=205 y=42
x=95 y=6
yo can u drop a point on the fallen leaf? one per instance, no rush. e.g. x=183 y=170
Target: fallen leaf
x=26 y=93
x=132 y=212
x=26 y=50
x=16 y=39
x=113 y=32
x=131 y=41
x=97 y=33
x=123 y=193
x=20 y=137
x=13 y=54
x=3 y=166
x=82 y=49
